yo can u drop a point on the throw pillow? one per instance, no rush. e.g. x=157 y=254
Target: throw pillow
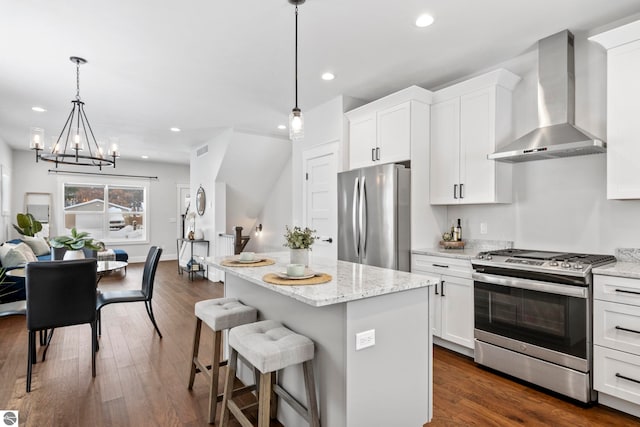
x=38 y=245
x=26 y=251
x=13 y=258
x=4 y=250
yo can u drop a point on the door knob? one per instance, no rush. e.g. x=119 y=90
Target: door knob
x=330 y=240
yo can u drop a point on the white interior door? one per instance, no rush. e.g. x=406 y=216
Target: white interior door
x=321 y=197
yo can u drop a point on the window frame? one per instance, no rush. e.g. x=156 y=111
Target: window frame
x=106 y=184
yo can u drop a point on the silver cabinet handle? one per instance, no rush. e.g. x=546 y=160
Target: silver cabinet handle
x=455 y=191
x=437 y=289
x=440 y=265
x=377 y=153
x=442 y=287
x=461 y=194
x=373 y=154
x=627 y=292
x=627 y=378
x=620 y=328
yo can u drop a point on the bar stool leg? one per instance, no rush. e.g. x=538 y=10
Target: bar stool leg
x=215 y=374
x=228 y=386
x=264 y=402
x=310 y=385
x=194 y=354
x=274 y=397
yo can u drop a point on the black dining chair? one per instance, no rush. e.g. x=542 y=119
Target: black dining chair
x=60 y=293
x=135 y=295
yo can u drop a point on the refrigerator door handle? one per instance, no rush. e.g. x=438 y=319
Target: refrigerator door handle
x=363 y=216
x=354 y=217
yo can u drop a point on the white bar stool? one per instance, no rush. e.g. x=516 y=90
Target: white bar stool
x=219 y=314
x=269 y=347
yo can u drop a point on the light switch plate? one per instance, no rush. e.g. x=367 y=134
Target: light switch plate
x=483 y=228
x=365 y=339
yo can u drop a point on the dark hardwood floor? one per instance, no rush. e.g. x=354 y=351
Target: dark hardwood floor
x=142 y=380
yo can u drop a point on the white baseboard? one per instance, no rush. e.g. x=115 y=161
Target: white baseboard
x=453 y=346
x=619 y=404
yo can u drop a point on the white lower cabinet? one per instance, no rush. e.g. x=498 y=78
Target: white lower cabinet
x=452 y=311
x=616 y=338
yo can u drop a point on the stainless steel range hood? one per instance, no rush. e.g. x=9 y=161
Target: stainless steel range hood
x=557 y=135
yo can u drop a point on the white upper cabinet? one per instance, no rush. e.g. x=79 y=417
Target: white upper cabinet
x=469 y=121
x=381 y=131
x=623 y=104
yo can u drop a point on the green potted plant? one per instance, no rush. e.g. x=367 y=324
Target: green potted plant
x=75 y=243
x=299 y=242
x=27 y=225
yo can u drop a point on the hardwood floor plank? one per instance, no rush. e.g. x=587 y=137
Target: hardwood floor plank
x=142 y=380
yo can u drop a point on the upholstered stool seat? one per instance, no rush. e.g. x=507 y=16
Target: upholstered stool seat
x=219 y=314
x=270 y=347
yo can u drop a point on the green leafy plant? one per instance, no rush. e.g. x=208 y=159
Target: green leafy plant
x=76 y=241
x=27 y=225
x=298 y=238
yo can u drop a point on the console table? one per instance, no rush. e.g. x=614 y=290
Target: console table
x=195 y=266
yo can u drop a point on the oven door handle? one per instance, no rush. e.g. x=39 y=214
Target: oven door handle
x=532 y=285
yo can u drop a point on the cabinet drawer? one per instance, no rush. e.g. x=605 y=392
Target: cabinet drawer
x=617 y=373
x=617 y=326
x=441 y=265
x=617 y=289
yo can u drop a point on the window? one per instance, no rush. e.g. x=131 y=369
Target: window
x=111 y=213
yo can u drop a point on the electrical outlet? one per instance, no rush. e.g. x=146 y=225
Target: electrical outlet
x=365 y=339
x=483 y=228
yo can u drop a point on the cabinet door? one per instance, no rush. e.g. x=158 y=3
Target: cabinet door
x=457 y=310
x=445 y=152
x=477 y=139
x=394 y=134
x=362 y=141
x=623 y=126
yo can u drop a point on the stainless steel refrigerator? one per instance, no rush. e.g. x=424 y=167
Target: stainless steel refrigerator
x=374 y=222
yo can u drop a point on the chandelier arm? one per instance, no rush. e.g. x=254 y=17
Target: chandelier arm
x=86 y=120
x=69 y=118
x=66 y=141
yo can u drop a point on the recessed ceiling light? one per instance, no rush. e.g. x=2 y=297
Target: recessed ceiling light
x=38 y=109
x=145 y=157
x=282 y=127
x=328 y=76
x=175 y=129
x=424 y=20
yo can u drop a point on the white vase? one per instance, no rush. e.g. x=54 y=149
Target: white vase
x=299 y=256
x=77 y=254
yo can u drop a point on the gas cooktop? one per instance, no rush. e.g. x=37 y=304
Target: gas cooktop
x=558 y=262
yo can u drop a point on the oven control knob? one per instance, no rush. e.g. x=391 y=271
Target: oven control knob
x=578 y=266
x=480 y=256
x=523 y=347
x=488 y=257
x=565 y=264
x=553 y=263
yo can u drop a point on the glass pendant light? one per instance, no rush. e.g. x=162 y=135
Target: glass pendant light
x=296 y=120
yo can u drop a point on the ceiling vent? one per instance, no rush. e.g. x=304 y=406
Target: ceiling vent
x=202 y=151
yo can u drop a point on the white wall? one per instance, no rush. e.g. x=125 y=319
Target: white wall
x=559 y=204
x=29 y=176
x=6 y=166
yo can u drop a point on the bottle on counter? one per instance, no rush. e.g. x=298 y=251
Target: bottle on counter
x=457 y=232
x=453 y=234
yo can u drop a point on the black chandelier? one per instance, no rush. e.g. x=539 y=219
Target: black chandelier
x=75 y=132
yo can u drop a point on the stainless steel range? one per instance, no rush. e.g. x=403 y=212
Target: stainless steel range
x=533 y=317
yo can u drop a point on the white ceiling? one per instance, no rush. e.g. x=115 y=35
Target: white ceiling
x=205 y=64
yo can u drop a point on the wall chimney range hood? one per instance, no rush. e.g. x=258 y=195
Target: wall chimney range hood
x=557 y=135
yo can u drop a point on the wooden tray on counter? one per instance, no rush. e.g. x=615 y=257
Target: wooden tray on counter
x=452 y=245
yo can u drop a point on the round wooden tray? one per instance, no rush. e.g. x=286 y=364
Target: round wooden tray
x=318 y=279
x=452 y=245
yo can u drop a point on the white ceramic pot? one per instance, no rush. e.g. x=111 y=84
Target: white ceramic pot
x=299 y=256
x=77 y=254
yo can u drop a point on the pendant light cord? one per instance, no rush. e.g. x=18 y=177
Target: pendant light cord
x=296 y=55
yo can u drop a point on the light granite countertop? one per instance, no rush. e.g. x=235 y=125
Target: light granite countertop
x=350 y=282
x=448 y=253
x=620 y=269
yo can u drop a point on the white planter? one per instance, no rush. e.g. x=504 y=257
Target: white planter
x=77 y=254
x=299 y=256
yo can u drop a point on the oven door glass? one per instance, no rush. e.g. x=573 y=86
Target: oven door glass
x=552 y=321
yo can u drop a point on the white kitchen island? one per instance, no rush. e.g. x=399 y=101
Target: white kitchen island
x=389 y=383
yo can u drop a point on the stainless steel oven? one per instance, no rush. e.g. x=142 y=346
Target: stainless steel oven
x=533 y=317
